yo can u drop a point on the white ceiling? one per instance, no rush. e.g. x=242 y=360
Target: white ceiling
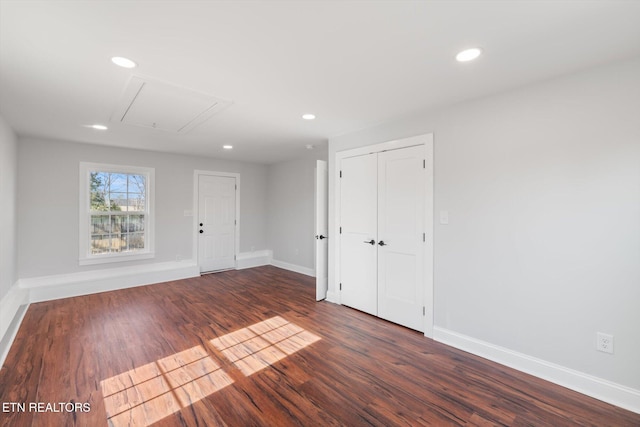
x=352 y=63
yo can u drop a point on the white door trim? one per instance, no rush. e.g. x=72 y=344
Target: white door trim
x=196 y=191
x=427 y=141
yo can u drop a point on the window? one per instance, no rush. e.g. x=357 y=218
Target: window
x=116 y=213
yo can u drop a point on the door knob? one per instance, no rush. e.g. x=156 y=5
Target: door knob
x=200 y=224
x=201 y=231
x=371 y=242
x=382 y=243
x=321 y=237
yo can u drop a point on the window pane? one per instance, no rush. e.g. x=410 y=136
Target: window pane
x=136 y=223
x=119 y=242
x=117 y=201
x=118 y=224
x=137 y=184
x=117 y=183
x=136 y=241
x=117 y=192
x=136 y=203
x=100 y=243
x=99 y=191
x=100 y=224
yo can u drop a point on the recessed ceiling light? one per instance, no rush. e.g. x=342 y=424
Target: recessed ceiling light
x=308 y=116
x=99 y=127
x=468 y=54
x=227 y=147
x=123 y=62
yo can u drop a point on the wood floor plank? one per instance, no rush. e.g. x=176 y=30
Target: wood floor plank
x=254 y=348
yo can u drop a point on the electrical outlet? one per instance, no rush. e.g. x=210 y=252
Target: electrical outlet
x=604 y=342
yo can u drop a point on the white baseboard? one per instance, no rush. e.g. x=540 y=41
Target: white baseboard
x=47 y=288
x=253 y=259
x=607 y=391
x=12 y=309
x=292 y=267
x=9 y=306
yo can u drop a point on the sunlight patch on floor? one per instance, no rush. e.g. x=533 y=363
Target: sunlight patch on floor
x=147 y=394
x=262 y=344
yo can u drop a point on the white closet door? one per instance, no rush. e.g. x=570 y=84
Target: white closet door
x=358 y=219
x=216 y=216
x=401 y=187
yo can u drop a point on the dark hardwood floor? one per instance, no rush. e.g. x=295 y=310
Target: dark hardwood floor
x=252 y=347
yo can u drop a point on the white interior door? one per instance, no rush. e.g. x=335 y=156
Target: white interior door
x=358 y=220
x=401 y=186
x=322 y=248
x=217 y=222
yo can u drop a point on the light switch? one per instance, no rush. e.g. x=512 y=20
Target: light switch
x=444 y=217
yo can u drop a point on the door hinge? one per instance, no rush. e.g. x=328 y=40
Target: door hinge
x=340 y=174
x=424 y=310
x=424 y=237
x=234 y=257
x=340 y=286
x=235 y=222
x=340 y=230
x=424 y=164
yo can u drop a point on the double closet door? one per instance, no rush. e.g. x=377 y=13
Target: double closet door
x=382 y=234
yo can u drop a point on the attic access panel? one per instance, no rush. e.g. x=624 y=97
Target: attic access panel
x=163 y=106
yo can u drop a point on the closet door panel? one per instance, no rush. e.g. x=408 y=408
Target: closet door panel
x=401 y=186
x=358 y=219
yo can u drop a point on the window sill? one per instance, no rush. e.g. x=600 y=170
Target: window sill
x=108 y=259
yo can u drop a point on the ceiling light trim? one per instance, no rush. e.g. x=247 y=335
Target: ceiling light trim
x=123 y=62
x=470 y=54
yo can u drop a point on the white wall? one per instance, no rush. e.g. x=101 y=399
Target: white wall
x=48 y=202
x=291 y=210
x=542 y=185
x=8 y=203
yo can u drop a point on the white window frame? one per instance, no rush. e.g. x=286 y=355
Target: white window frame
x=84 y=219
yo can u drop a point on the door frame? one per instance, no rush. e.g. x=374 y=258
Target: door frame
x=427 y=141
x=196 y=197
